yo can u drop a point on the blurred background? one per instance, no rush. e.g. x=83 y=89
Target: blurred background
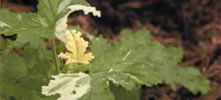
x=194 y=25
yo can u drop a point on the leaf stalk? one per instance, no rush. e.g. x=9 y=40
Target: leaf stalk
x=55 y=55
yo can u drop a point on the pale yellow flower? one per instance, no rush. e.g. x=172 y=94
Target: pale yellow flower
x=76 y=46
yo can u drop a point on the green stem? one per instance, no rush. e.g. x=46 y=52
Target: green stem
x=53 y=40
x=55 y=55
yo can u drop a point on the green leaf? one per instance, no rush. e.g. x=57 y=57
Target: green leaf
x=28 y=27
x=99 y=46
x=19 y=92
x=27 y=72
x=80 y=2
x=128 y=62
x=47 y=9
x=193 y=80
x=189 y=77
x=120 y=64
x=99 y=88
x=32 y=27
x=122 y=94
x=136 y=60
x=14 y=65
x=53 y=10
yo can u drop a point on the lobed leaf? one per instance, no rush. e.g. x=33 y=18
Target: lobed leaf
x=136 y=60
x=61 y=24
x=28 y=27
x=27 y=73
x=32 y=27
x=70 y=86
x=76 y=45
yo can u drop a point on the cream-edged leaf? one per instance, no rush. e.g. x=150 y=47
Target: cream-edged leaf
x=76 y=46
x=70 y=86
x=61 y=24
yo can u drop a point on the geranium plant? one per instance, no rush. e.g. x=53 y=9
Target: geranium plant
x=94 y=69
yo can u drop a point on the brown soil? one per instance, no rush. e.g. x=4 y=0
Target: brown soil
x=194 y=25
